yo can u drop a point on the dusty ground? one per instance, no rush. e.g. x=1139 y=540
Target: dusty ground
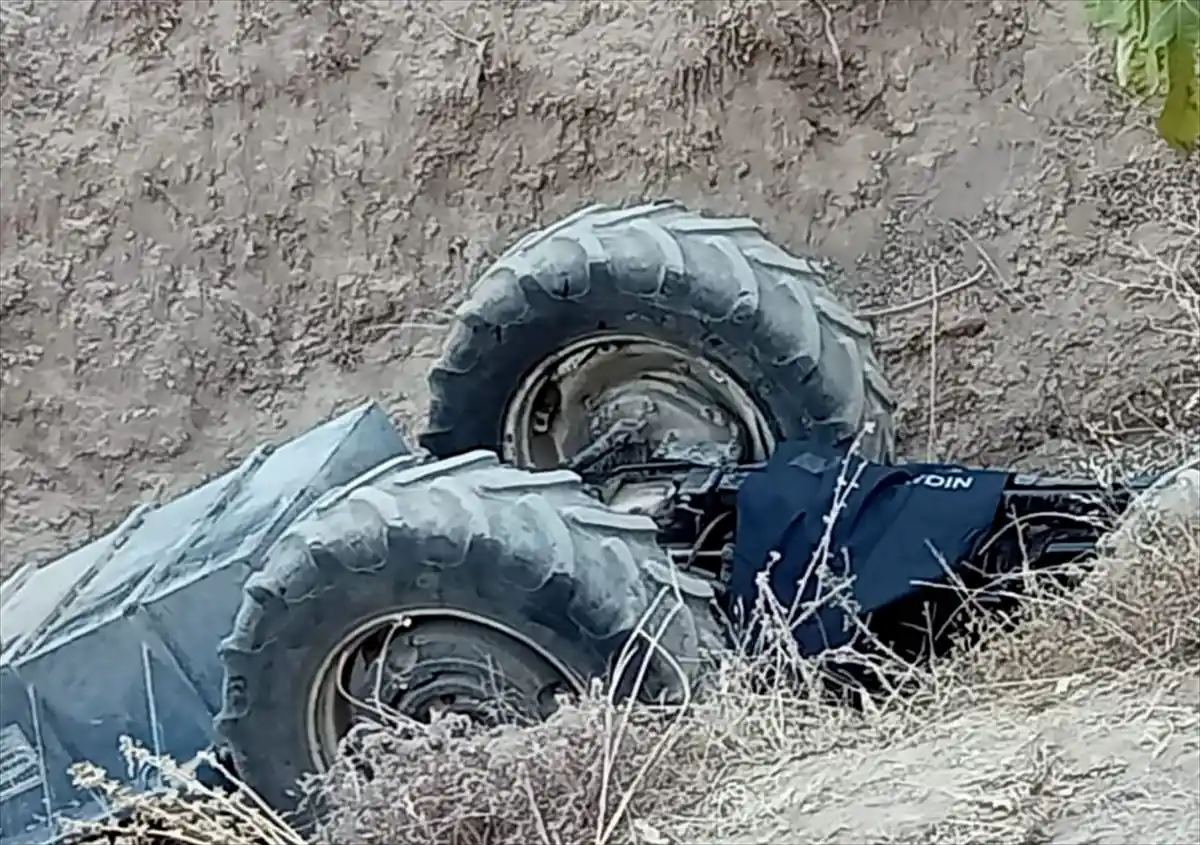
x=1102 y=766
x=221 y=221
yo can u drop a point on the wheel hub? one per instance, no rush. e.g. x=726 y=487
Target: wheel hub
x=398 y=668
x=438 y=687
x=575 y=396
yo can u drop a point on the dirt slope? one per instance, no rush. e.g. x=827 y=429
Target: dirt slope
x=1102 y=766
x=221 y=220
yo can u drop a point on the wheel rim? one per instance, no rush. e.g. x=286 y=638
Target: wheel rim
x=398 y=667
x=575 y=395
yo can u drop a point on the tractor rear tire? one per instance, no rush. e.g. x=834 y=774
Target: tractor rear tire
x=716 y=287
x=541 y=569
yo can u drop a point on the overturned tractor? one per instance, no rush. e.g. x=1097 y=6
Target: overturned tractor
x=636 y=412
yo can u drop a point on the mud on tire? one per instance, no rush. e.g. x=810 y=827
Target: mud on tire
x=715 y=286
x=531 y=551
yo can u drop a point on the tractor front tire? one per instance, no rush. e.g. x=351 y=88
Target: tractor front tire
x=550 y=581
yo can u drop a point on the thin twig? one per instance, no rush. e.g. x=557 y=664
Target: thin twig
x=664 y=744
x=480 y=44
x=118 y=833
x=477 y=43
x=933 y=344
x=387 y=327
x=984 y=256
x=905 y=307
x=838 y=64
x=534 y=809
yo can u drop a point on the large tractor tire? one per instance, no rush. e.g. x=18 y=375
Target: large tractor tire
x=722 y=331
x=461 y=585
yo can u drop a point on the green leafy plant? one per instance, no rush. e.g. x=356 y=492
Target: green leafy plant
x=1157 y=46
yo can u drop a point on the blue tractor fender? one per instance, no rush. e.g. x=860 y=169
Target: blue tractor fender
x=120 y=637
x=896 y=527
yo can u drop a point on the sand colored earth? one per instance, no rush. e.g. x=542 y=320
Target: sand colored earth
x=221 y=221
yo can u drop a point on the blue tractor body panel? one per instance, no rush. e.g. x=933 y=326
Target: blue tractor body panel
x=121 y=637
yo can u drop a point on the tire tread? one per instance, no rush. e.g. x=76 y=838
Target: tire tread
x=795 y=331
x=449 y=513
